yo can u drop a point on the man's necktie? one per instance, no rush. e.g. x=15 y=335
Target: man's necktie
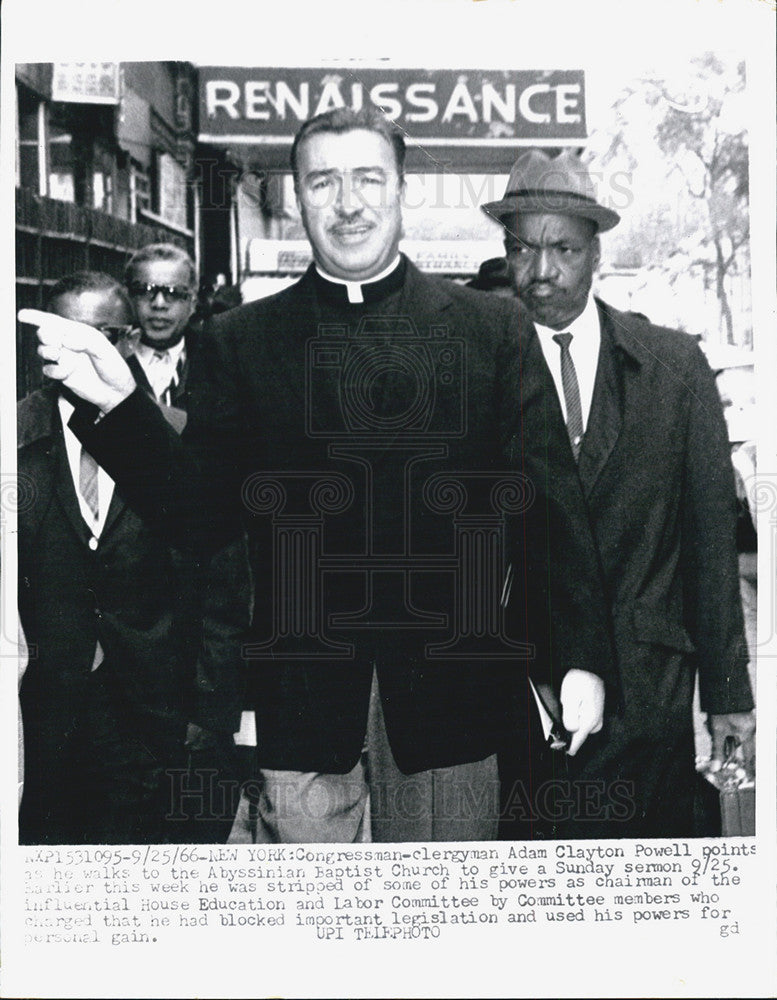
x=87 y=482
x=571 y=393
x=167 y=396
x=87 y=485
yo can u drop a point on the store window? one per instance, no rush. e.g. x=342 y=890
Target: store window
x=103 y=169
x=172 y=191
x=31 y=141
x=62 y=166
x=140 y=188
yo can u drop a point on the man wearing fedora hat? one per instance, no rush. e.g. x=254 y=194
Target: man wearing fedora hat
x=635 y=409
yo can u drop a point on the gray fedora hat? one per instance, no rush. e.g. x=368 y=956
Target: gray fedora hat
x=559 y=185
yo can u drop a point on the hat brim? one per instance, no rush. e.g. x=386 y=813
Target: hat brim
x=552 y=203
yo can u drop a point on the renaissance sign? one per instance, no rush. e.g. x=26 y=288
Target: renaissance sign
x=487 y=113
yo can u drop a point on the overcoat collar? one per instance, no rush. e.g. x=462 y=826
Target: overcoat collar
x=622 y=353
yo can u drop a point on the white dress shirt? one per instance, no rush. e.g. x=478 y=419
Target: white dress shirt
x=104 y=493
x=584 y=348
x=161 y=367
x=104 y=482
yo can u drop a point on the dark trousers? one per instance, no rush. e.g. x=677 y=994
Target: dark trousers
x=97 y=780
x=532 y=776
x=614 y=787
x=203 y=789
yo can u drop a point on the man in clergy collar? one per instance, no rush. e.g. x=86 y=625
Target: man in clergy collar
x=351 y=423
x=647 y=439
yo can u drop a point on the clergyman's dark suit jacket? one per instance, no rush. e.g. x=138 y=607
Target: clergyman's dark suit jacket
x=269 y=445
x=655 y=478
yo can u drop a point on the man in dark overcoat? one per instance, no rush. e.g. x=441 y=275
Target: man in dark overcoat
x=104 y=696
x=635 y=410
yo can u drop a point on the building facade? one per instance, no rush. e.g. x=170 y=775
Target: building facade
x=105 y=163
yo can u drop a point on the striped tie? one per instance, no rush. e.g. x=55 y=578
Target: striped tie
x=571 y=393
x=87 y=482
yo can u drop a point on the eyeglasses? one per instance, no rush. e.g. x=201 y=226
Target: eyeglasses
x=116 y=333
x=170 y=293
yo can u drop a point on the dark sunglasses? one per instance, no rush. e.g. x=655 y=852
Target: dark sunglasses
x=170 y=293
x=116 y=333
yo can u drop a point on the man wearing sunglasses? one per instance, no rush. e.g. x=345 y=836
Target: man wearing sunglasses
x=103 y=696
x=161 y=280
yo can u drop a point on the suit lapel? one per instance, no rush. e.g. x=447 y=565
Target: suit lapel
x=190 y=340
x=141 y=380
x=606 y=417
x=65 y=488
x=532 y=421
x=37 y=456
x=139 y=374
x=116 y=507
x=298 y=316
x=543 y=419
x=178 y=394
x=425 y=302
x=422 y=299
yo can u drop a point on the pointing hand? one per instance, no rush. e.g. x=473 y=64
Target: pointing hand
x=81 y=358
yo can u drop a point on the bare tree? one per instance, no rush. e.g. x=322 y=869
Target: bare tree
x=698 y=128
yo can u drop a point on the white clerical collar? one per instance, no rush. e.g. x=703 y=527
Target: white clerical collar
x=354 y=288
x=583 y=329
